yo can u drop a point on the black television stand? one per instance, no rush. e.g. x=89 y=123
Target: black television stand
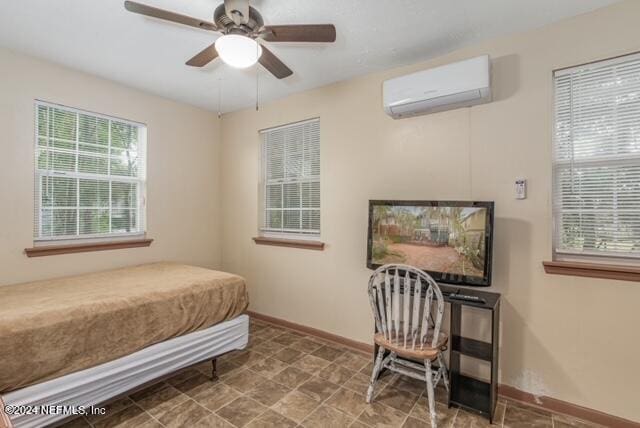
x=467 y=392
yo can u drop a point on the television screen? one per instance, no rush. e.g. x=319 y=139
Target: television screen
x=451 y=241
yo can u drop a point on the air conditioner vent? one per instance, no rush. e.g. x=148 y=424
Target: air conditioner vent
x=461 y=84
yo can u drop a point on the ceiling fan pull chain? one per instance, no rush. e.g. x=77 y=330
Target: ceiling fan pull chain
x=257 y=80
x=219 y=98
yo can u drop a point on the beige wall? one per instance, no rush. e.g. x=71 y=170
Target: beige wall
x=183 y=170
x=570 y=338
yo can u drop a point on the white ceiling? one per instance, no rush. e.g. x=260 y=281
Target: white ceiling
x=100 y=37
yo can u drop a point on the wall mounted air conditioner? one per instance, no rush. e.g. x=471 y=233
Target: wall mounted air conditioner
x=460 y=84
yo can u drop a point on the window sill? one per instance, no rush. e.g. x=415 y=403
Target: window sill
x=593 y=270
x=52 y=250
x=293 y=243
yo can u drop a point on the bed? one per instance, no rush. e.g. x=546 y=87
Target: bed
x=78 y=341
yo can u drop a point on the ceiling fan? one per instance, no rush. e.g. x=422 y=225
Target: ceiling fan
x=241 y=26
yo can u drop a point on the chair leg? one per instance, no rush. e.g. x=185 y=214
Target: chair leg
x=443 y=369
x=430 y=393
x=374 y=375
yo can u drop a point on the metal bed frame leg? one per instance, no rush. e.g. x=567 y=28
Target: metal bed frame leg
x=214 y=370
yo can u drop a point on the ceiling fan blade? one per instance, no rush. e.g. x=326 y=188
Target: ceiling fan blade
x=300 y=33
x=237 y=10
x=204 y=57
x=154 y=12
x=273 y=64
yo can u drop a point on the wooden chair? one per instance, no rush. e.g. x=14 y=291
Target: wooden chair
x=408 y=307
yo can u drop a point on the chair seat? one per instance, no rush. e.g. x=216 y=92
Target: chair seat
x=424 y=353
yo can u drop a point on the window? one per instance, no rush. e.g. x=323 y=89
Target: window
x=291 y=175
x=596 y=161
x=89 y=175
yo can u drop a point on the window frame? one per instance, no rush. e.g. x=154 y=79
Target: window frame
x=141 y=180
x=584 y=259
x=286 y=234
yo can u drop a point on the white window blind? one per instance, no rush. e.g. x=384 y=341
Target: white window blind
x=597 y=159
x=89 y=175
x=291 y=169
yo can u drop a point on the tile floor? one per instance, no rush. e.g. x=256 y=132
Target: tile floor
x=286 y=379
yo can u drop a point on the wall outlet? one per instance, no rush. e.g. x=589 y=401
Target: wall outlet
x=521 y=188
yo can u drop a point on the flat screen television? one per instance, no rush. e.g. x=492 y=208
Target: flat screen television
x=450 y=240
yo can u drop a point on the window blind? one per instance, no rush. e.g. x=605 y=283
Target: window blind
x=597 y=159
x=291 y=169
x=89 y=175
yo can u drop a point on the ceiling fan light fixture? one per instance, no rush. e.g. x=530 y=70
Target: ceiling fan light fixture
x=238 y=51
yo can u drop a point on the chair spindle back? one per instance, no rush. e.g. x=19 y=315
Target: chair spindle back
x=402 y=299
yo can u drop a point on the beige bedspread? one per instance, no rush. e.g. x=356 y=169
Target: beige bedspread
x=55 y=327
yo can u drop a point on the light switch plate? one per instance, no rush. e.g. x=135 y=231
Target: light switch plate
x=521 y=188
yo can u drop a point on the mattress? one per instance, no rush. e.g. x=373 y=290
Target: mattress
x=96 y=385
x=55 y=327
